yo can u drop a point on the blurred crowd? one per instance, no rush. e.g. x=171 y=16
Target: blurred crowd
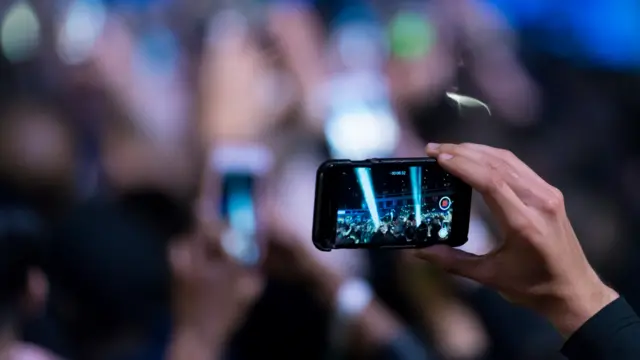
x=108 y=109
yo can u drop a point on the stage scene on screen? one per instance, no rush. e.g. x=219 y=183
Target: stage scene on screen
x=395 y=207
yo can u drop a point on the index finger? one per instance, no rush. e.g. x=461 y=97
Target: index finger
x=500 y=198
x=508 y=157
x=528 y=186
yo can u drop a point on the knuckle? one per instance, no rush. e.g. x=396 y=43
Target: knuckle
x=554 y=202
x=495 y=183
x=506 y=154
x=524 y=228
x=498 y=165
x=449 y=149
x=493 y=164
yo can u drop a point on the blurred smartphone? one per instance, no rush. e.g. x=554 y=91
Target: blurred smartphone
x=238 y=210
x=389 y=203
x=239 y=169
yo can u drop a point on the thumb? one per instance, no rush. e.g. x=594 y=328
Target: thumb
x=454 y=261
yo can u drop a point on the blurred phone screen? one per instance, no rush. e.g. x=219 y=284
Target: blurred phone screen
x=237 y=204
x=238 y=210
x=239 y=167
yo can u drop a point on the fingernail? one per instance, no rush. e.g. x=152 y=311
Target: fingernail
x=445 y=156
x=433 y=146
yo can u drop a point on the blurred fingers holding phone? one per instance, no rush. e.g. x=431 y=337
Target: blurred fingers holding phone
x=211 y=294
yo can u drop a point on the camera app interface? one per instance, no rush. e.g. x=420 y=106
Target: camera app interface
x=394 y=206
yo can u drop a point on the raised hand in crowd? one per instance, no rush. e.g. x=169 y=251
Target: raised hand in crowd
x=211 y=293
x=299 y=35
x=233 y=76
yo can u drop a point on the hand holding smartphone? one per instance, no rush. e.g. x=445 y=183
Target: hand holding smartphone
x=389 y=203
x=237 y=169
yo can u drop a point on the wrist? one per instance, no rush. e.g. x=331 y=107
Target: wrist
x=577 y=305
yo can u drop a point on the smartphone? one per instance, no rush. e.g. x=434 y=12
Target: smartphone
x=389 y=203
x=237 y=208
x=239 y=170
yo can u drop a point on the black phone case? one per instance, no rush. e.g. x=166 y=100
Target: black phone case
x=322 y=211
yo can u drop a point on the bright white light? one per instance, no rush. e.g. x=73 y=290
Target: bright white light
x=361 y=122
x=83 y=25
x=468 y=101
x=20 y=32
x=362 y=133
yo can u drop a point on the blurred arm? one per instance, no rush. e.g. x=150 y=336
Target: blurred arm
x=374 y=326
x=375 y=332
x=299 y=34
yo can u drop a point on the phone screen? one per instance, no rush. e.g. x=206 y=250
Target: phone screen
x=238 y=209
x=394 y=205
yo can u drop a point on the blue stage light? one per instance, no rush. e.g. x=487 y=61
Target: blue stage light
x=416 y=188
x=364 y=179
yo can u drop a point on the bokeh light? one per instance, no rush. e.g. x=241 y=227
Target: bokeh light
x=411 y=35
x=81 y=27
x=20 y=32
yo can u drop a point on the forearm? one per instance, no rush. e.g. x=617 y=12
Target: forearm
x=300 y=36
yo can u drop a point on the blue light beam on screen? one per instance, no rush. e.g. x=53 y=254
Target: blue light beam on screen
x=416 y=189
x=364 y=179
